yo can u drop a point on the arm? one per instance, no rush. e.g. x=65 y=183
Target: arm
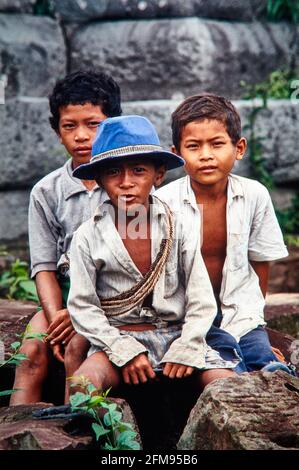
x=84 y=305
x=262 y=270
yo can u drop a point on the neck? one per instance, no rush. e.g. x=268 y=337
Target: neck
x=204 y=192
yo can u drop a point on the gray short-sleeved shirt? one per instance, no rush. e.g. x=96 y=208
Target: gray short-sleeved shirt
x=59 y=204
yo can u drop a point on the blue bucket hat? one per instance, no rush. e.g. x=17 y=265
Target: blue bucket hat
x=125 y=136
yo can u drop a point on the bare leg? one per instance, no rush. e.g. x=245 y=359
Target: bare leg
x=74 y=356
x=31 y=373
x=208 y=376
x=100 y=371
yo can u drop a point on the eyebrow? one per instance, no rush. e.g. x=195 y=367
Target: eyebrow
x=194 y=139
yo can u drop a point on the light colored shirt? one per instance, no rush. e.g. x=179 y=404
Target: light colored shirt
x=59 y=204
x=253 y=234
x=100 y=266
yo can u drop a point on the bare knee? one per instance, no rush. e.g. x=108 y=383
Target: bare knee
x=37 y=354
x=208 y=376
x=76 y=350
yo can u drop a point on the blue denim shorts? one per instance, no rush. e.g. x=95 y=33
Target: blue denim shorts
x=254 y=348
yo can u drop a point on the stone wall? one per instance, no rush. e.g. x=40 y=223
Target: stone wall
x=159 y=51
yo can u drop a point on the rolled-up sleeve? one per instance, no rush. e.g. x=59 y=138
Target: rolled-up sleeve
x=266 y=240
x=84 y=305
x=43 y=235
x=201 y=309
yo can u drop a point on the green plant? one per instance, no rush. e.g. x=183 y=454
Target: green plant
x=283 y=10
x=113 y=433
x=17 y=284
x=289 y=220
x=44 y=8
x=16 y=357
x=277 y=85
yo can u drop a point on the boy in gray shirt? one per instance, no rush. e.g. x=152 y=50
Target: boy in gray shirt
x=59 y=203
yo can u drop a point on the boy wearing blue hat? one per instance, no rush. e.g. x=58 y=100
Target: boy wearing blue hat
x=140 y=292
x=59 y=203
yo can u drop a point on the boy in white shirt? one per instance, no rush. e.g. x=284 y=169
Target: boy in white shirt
x=241 y=234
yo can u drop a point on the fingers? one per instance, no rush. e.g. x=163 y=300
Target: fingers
x=61 y=337
x=69 y=337
x=62 y=317
x=138 y=370
x=177 y=371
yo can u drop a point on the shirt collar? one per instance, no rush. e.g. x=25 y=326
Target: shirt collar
x=70 y=184
x=234 y=189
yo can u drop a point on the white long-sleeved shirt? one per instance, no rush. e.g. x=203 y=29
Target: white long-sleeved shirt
x=100 y=266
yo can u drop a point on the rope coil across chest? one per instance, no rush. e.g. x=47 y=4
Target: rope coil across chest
x=129 y=299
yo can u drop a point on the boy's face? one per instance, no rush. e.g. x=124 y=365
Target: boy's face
x=128 y=183
x=77 y=130
x=209 y=152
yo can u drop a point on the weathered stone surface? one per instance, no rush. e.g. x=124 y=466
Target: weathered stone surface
x=282 y=313
x=14 y=317
x=284 y=273
x=29 y=147
x=257 y=411
x=19 y=430
x=17 y=6
x=78 y=10
x=161 y=59
x=13 y=214
x=32 y=54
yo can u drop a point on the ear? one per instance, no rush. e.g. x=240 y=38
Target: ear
x=160 y=175
x=241 y=148
x=174 y=150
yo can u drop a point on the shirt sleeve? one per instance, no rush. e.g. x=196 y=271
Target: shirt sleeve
x=43 y=234
x=201 y=308
x=84 y=306
x=265 y=240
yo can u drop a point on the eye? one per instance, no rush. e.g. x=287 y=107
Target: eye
x=112 y=171
x=68 y=125
x=191 y=146
x=93 y=123
x=218 y=144
x=139 y=169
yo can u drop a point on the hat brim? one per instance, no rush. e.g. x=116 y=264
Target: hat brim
x=88 y=171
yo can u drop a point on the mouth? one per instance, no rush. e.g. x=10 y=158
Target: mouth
x=127 y=197
x=208 y=169
x=84 y=151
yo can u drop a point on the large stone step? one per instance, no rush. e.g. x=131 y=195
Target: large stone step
x=87 y=10
x=165 y=59
x=32 y=54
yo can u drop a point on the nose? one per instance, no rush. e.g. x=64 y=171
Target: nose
x=81 y=134
x=206 y=153
x=126 y=180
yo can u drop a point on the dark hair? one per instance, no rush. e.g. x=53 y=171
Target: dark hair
x=205 y=106
x=88 y=86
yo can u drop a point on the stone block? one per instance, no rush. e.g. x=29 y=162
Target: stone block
x=29 y=147
x=17 y=6
x=257 y=411
x=32 y=54
x=175 y=58
x=89 y=10
x=13 y=215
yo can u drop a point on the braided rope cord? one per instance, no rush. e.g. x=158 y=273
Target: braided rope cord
x=132 y=297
